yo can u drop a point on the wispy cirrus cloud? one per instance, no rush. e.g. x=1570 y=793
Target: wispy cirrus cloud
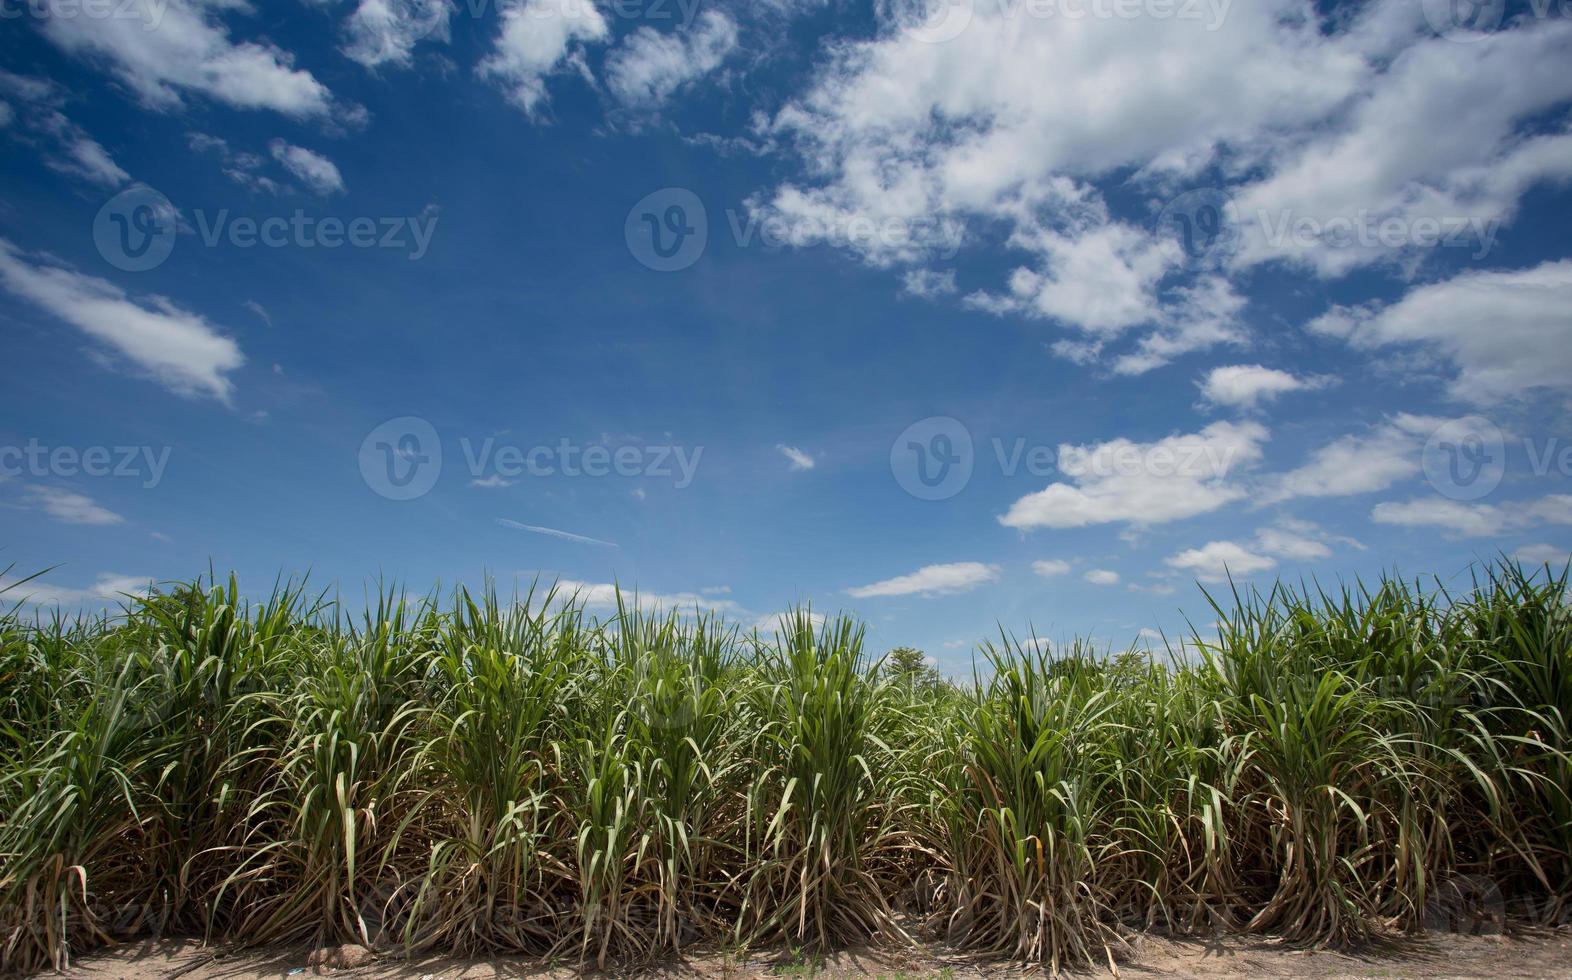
x=552 y=532
x=179 y=349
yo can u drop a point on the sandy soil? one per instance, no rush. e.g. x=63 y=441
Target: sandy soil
x=1535 y=953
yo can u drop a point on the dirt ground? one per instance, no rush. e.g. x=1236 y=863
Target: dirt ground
x=1535 y=953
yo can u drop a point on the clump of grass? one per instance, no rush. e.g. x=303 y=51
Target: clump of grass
x=474 y=774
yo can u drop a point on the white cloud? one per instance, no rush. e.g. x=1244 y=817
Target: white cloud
x=1468 y=520
x=71 y=150
x=1507 y=333
x=552 y=532
x=161 y=48
x=772 y=623
x=1357 y=112
x=928 y=283
x=602 y=596
x=1102 y=280
x=1434 y=137
x=1143 y=483
x=1356 y=464
x=493 y=482
x=1543 y=554
x=799 y=459
x=313 y=169
x=1215 y=561
x=386 y=31
x=1249 y=385
x=1102 y=576
x=536 y=38
x=179 y=349
x=1295 y=541
x=1051 y=568
x=1288 y=540
x=932 y=580
x=71 y=508
x=649 y=67
x=108 y=586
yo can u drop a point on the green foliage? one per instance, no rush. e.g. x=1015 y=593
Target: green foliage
x=475 y=775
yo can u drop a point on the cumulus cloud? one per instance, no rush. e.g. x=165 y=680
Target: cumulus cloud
x=1302 y=116
x=1288 y=540
x=179 y=349
x=1362 y=463
x=313 y=169
x=602 y=597
x=1430 y=149
x=932 y=580
x=649 y=67
x=108 y=587
x=1248 y=386
x=385 y=31
x=1507 y=333
x=1122 y=481
x=1102 y=576
x=1217 y=560
x=537 y=38
x=163 y=48
x=1051 y=567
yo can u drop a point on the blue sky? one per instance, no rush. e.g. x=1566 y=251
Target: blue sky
x=704 y=297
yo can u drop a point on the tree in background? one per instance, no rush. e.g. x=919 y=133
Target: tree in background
x=910 y=666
